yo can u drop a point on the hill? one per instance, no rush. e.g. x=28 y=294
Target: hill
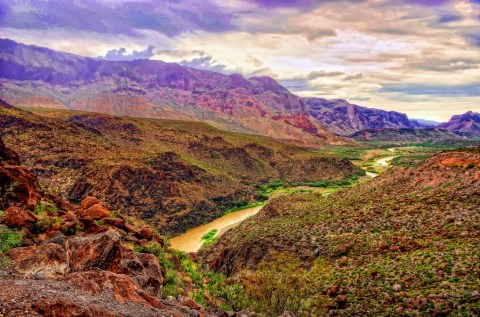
x=175 y=174
x=430 y=135
x=467 y=123
x=344 y=118
x=404 y=243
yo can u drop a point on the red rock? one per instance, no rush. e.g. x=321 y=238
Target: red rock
x=22 y=185
x=115 y=222
x=18 y=217
x=146 y=233
x=94 y=251
x=121 y=286
x=143 y=268
x=89 y=201
x=69 y=223
x=131 y=228
x=188 y=302
x=62 y=307
x=95 y=212
x=46 y=261
x=158 y=239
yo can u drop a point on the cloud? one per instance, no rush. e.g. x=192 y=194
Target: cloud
x=353 y=77
x=446 y=65
x=359 y=98
x=121 y=54
x=127 y=17
x=321 y=73
x=469 y=90
x=205 y=62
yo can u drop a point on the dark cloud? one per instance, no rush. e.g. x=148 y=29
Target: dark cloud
x=121 y=54
x=470 y=90
x=272 y=4
x=359 y=98
x=473 y=38
x=446 y=65
x=321 y=73
x=446 y=18
x=353 y=77
x=170 y=17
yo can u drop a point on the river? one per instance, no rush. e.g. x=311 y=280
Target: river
x=191 y=241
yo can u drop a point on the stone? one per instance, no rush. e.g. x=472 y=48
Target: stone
x=44 y=261
x=188 y=302
x=114 y=222
x=146 y=233
x=397 y=287
x=121 y=286
x=144 y=268
x=94 y=251
x=18 y=217
x=89 y=201
x=95 y=212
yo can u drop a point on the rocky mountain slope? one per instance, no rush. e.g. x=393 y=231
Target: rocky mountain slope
x=344 y=118
x=431 y=135
x=405 y=243
x=34 y=76
x=60 y=259
x=174 y=174
x=467 y=123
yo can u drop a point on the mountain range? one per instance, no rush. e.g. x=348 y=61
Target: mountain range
x=40 y=77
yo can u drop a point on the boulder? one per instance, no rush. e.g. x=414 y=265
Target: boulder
x=95 y=212
x=188 y=302
x=122 y=287
x=89 y=201
x=114 y=222
x=144 y=269
x=44 y=261
x=18 y=217
x=94 y=251
x=146 y=233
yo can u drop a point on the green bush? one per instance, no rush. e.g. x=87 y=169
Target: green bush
x=9 y=238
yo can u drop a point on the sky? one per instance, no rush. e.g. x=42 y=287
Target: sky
x=420 y=57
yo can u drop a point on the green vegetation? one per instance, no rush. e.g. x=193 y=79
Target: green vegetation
x=209 y=237
x=9 y=238
x=408 y=247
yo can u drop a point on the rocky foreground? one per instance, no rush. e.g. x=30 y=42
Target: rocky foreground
x=67 y=260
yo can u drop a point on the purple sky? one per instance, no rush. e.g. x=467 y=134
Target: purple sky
x=419 y=57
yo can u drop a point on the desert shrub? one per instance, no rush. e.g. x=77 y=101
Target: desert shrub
x=9 y=238
x=285 y=284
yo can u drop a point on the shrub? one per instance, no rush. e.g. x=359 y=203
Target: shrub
x=9 y=238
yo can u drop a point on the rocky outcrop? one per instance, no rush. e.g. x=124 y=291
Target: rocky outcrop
x=16 y=184
x=43 y=261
